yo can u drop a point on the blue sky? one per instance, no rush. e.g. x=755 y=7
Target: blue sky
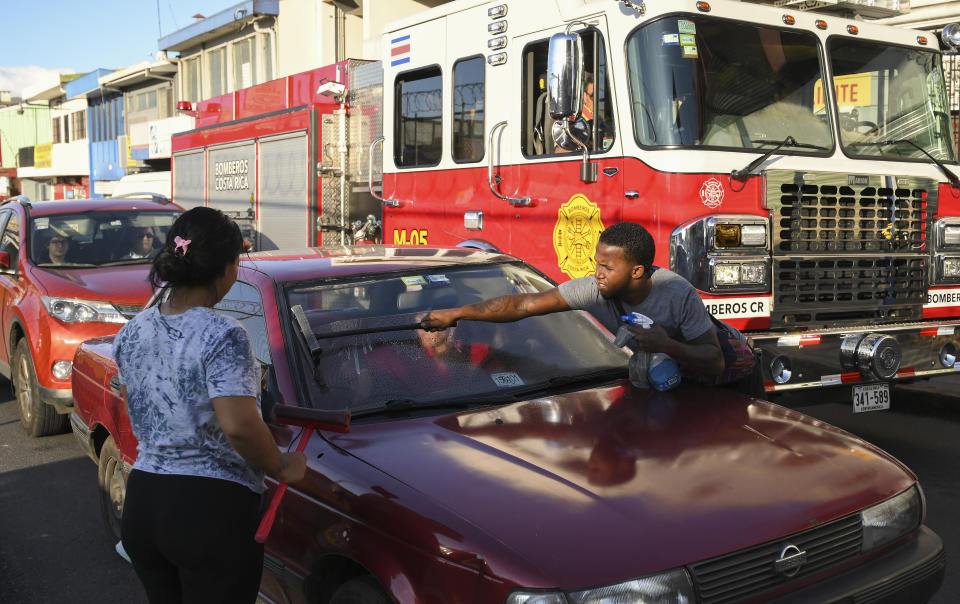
x=71 y=36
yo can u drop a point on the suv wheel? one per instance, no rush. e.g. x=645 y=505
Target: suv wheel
x=36 y=417
x=361 y=590
x=113 y=487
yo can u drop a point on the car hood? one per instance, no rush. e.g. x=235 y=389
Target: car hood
x=124 y=284
x=613 y=483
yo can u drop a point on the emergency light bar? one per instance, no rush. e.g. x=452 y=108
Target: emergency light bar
x=871 y=9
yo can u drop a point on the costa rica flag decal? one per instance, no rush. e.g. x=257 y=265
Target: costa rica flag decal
x=400 y=51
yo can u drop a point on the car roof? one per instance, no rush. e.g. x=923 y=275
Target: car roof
x=73 y=206
x=335 y=262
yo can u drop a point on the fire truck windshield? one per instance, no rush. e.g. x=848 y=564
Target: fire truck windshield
x=891 y=100
x=702 y=82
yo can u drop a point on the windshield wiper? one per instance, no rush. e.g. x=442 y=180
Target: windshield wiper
x=397 y=406
x=67 y=265
x=743 y=174
x=309 y=340
x=954 y=181
x=128 y=261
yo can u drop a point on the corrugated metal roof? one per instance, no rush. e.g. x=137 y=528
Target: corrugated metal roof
x=212 y=27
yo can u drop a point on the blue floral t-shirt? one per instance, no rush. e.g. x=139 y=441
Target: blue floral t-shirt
x=172 y=365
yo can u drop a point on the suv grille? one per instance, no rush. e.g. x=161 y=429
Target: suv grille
x=128 y=310
x=845 y=252
x=748 y=572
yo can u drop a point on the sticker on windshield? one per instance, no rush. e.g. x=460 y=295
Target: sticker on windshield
x=688 y=39
x=442 y=279
x=671 y=39
x=414 y=283
x=506 y=379
x=688 y=52
x=685 y=26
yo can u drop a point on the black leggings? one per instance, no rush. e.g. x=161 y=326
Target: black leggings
x=191 y=538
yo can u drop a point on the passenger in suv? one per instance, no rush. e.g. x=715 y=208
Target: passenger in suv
x=67 y=275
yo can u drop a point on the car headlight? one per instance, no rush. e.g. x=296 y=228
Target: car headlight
x=669 y=587
x=892 y=519
x=70 y=310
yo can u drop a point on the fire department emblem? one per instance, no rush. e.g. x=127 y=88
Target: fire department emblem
x=575 y=236
x=711 y=193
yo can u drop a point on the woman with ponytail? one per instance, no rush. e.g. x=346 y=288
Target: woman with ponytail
x=190 y=382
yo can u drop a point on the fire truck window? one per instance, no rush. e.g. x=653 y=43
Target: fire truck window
x=418 y=127
x=469 y=88
x=596 y=122
x=699 y=81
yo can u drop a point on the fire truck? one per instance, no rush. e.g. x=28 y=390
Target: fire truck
x=797 y=167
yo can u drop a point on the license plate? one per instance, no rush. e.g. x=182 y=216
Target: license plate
x=871 y=397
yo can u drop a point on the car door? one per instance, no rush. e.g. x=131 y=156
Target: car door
x=9 y=281
x=558 y=231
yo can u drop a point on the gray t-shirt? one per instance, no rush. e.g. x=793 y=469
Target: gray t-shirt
x=673 y=304
x=172 y=365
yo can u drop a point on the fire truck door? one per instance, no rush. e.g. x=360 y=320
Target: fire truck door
x=565 y=210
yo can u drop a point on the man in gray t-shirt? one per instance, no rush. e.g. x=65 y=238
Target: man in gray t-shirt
x=624 y=276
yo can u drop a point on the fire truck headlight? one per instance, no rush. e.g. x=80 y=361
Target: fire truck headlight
x=726 y=274
x=753 y=273
x=753 y=235
x=726 y=235
x=951 y=234
x=951 y=268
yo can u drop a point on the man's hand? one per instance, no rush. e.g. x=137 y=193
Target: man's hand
x=438 y=320
x=651 y=339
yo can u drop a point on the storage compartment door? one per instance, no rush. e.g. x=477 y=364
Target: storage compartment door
x=188 y=178
x=283 y=208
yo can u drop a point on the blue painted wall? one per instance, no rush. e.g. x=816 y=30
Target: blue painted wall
x=105 y=125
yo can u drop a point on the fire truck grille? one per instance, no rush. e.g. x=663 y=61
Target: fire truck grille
x=847 y=249
x=828 y=218
x=748 y=572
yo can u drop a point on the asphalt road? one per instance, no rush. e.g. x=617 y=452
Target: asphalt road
x=53 y=548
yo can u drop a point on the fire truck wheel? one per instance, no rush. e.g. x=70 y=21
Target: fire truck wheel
x=113 y=488
x=36 y=417
x=361 y=590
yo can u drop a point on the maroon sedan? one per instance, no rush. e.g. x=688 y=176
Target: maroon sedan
x=513 y=463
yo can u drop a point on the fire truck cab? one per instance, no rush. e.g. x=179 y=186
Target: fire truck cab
x=797 y=167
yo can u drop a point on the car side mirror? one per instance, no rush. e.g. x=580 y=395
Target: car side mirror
x=5 y=261
x=564 y=76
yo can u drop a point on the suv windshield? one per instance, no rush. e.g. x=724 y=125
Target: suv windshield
x=891 y=100
x=701 y=82
x=394 y=365
x=98 y=238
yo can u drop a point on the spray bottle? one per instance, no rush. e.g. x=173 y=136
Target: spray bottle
x=662 y=371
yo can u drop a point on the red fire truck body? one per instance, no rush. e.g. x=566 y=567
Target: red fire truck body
x=838 y=253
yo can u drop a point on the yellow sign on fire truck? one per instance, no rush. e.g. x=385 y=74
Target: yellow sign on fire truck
x=576 y=234
x=853 y=90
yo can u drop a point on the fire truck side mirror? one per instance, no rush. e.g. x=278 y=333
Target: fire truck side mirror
x=564 y=76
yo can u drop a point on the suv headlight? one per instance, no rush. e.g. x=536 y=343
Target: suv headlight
x=70 y=310
x=723 y=253
x=669 y=587
x=892 y=519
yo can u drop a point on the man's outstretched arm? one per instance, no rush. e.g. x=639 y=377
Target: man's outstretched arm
x=502 y=309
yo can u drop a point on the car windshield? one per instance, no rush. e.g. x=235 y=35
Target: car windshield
x=98 y=238
x=369 y=356
x=702 y=82
x=892 y=101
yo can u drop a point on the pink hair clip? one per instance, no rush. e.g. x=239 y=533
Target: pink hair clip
x=181 y=244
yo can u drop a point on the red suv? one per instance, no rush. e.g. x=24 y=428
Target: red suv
x=69 y=271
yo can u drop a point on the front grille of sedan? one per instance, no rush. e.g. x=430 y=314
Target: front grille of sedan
x=742 y=574
x=847 y=248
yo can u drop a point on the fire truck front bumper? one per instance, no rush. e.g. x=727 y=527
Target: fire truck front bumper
x=834 y=357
